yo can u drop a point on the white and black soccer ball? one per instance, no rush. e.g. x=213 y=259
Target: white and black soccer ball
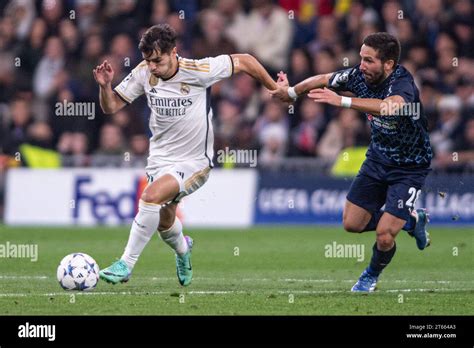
x=78 y=271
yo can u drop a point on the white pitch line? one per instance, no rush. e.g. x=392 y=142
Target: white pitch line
x=23 y=277
x=136 y=293
x=309 y=292
x=220 y=292
x=286 y=280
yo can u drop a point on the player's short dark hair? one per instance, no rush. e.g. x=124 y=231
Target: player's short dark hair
x=161 y=37
x=386 y=45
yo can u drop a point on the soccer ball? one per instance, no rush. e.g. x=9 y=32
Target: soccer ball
x=78 y=271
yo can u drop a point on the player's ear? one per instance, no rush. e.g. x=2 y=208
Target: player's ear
x=174 y=51
x=389 y=64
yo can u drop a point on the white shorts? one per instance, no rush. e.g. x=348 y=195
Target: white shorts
x=191 y=175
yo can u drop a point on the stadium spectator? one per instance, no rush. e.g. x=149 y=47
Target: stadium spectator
x=300 y=65
x=16 y=132
x=52 y=11
x=123 y=50
x=324 y=61
x=49 y=74
x=235 y=19
x=212 y=42
x=138 y=151
x=346 y=130
x=227 y=123
x=463 y=155
x=23 y=13
x=272 y=132
x=306 y=135
x=30 y=49
x=273 y=140
x=242 y=90
x=40 y=134
x=111 y=151
x=87 y=15
x=449 y=126
x=73 y=146
x=70 y=37
x=268 y=35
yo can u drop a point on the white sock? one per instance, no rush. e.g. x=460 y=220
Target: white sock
x=143 y=226
x=174 y=237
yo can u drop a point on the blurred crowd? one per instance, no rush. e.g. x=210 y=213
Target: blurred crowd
x=48 y=49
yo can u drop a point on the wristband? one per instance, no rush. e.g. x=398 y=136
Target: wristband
x=292 y=93
x=346 y=102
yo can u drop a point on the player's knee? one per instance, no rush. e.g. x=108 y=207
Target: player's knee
x=149 y=197
x=387 y=230
x=384 y=241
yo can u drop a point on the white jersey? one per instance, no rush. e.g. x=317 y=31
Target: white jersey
x=181 y=116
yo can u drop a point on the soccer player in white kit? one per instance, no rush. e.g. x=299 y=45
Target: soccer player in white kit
x=181 y=145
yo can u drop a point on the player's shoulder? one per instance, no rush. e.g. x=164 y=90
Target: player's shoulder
x=402 y=73
x=194 y=65
x=141 y=70
x=342 y=77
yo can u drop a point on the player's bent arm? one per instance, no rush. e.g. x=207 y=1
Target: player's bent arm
x=377 y=107
x=313 y=82
x=110 y=102
x=291 y=94
x=248 y=64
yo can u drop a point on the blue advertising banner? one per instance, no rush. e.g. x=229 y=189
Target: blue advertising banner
x=304 y=198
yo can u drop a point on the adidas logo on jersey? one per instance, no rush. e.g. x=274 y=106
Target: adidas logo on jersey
x=152 y=90
x=181 y=174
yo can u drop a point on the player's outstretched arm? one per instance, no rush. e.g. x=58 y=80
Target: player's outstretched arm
x=289 y=94
x=109 y=101
x=387 y=106
x=248 y=64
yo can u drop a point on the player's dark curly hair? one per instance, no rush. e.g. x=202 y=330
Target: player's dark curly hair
x=161 y=37
x=386 y=45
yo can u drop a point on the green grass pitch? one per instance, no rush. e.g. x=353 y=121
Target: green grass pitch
x=260 y=271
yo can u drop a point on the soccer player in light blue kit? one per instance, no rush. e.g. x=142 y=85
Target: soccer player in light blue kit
x=399 y=155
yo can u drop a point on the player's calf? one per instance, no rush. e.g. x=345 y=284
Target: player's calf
x=167 y=217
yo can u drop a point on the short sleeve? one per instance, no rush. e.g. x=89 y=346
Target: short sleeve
x=343 y=80
x=403 y=87
x=131 y=86
x=215 y=69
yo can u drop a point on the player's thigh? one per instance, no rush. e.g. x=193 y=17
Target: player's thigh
x=401 y=199
x=366 y=196
x=161 y=189
x=193 y=175
x=387 y=229
x=187 y=177
x=355 y=218
x=167 y=216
